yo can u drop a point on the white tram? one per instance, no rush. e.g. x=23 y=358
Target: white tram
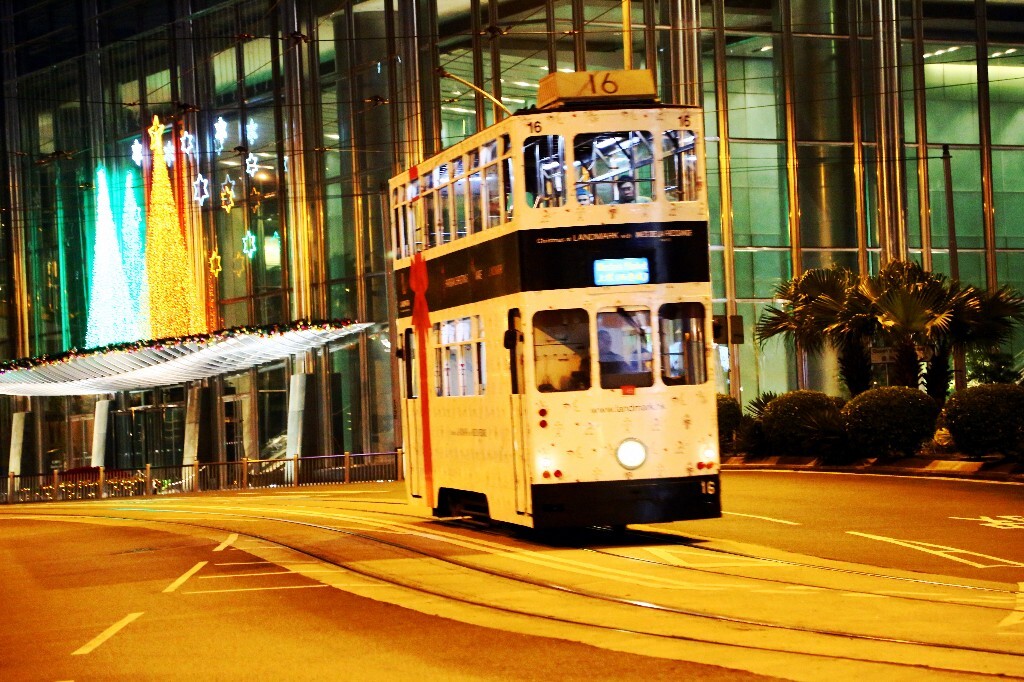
x=554 y=313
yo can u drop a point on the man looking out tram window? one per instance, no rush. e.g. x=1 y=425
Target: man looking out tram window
x=626 y=186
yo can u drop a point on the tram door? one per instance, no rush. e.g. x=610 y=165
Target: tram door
x=413 y=422
x=517 y=365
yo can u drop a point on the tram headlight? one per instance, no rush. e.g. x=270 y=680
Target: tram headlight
x=631 y=453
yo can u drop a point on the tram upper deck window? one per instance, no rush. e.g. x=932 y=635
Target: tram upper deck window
x=544 y=161
x=679 y=161
x=682 y=343
x=561 y=350
x=614 y=167
x=624 y=347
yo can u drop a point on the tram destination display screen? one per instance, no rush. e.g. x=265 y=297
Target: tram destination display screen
x=614 y=271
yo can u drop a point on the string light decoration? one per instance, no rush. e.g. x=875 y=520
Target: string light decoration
x=169 y=271
x=249 y=244
x=255 y=200
x=251 y=131
x=227 y=194
x=201 y=189
x=169 y=361
x=252 y=164
x=111 y=319
x=215 y=264
x=137 y=153
x=188 y=143
x=134 y=257
x=220 y=134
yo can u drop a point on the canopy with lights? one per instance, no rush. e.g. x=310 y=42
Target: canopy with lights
x=166 y=362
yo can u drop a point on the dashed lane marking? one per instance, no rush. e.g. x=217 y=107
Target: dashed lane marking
x=106 y=634
x=185 y=576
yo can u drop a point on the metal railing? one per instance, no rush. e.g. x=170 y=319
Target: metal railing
x=98 y=482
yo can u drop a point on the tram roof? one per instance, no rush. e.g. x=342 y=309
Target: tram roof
x=166 y=362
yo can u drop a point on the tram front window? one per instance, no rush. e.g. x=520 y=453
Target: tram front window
x=561 y=350
x=682 y=343
x=624 y=347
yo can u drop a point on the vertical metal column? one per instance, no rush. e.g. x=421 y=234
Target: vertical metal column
x=685 y=61
x=889 y=124
x=924 y=208
x=985 y=144
x=725 y=186
x=295 y=103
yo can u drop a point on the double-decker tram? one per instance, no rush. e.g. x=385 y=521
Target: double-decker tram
x=554 y=313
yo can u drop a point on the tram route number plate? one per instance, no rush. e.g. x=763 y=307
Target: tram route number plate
x=595 y=85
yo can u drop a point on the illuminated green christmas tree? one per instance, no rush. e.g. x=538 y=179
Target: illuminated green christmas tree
x=111 y=318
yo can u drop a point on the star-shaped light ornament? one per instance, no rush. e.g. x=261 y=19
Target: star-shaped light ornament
x=255 y=200
x=215 y=264
x=251 y=133
x=201 y=189
x=188 y=143
x=220 y=134
x=252 y=164
x=249 y=244
x=227 y=194
x=169 y=153
x=156 y=133
x=137 y=152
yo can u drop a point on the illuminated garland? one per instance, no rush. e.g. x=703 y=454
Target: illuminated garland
x=134 y=256
x=174 y=342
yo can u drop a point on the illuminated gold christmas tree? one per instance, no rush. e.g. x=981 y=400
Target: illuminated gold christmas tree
x=169 y=273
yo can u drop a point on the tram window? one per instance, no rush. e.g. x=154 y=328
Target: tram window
x=624 y=347
x=459 y=196
x=606 y=162
x=459 y=357
x=544 y=159
x=430 y=217
x=682 y=343
x=445 y=218
x=476 y=198
x=679 y=163
x=492 y=196
x=561 y=350
x=398 y=229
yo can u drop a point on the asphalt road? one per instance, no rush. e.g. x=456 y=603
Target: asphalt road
x=945 y=527
x=91 y=602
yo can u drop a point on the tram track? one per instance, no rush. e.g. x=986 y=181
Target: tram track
x=885 y=653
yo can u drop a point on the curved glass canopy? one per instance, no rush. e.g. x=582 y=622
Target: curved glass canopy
x=167 y=362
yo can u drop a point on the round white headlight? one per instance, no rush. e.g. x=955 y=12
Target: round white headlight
x=631 y=453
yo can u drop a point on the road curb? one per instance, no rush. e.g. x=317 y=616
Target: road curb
x=922 y=467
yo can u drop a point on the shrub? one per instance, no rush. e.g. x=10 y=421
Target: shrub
x=750 y=437
x=756 y=406
x=729 y=415
x=987 y=419
x=805 y=423
x=889 y=421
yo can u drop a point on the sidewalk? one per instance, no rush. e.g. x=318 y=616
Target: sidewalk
x=987 y=470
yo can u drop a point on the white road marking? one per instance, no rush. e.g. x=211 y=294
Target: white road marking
x=257 y=589
x=943 y=551
x=107 y=634
x=1016 y=616
x=227 y=543
x=706 y=559
x=185 y=576
x=253 y=575
x=763 y=518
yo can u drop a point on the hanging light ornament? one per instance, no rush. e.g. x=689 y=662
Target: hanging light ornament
x=201 y=189
x=137 y=154
x=251 y=164
x=227 y=194
x=220 y=134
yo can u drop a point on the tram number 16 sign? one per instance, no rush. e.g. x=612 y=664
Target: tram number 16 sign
x=581 y=86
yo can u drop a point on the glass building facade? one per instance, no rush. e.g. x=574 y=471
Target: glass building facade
x=256 y=137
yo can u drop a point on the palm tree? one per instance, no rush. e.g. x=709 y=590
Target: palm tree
x=811 y=304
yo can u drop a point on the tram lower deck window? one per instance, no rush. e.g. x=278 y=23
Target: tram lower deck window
x=561 y=349
x=681 y=327
x=624 y=347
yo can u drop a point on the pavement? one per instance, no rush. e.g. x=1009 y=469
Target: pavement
x=991 y=469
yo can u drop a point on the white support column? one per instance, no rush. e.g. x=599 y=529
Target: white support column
x=190 y=456
x=17 y=444
x=99 y=432
x=296 y=407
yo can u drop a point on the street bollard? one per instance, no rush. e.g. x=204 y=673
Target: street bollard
x=295 y=471
x=100 y=494
x=148 y=489
x=245 y=473
x=10 y=488
x=348 y=465
x=195 y=476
